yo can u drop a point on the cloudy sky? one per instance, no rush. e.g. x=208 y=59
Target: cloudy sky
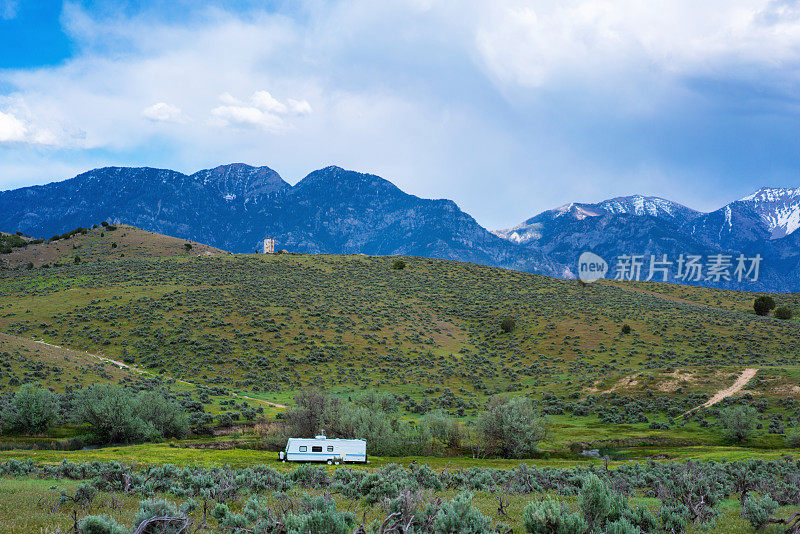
x=507 y=107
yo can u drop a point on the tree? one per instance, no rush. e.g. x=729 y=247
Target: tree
x=399 y=265
x=626 y=329
x=167 y=416
x=187 y=246
x=507 y=324
x=511 y=428
x=783 y=313
x=763 y=305
x=442 y=428
x=309 y=417
x=738 y=422
x=117 y=415
x=32 y=410
x=112 y=412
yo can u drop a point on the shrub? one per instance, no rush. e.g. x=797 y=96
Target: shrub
x=738 y=422
x=159 y=508
x=380 y=401
x=167 y=416
x=100 y=524
x=690 y=494
x=119 y=416
x=600 y=504
x=398 y=265
x=626 y=329
x=642 y=517
x=793 y=438
x=622 y=526
x=507 y=324
x=371 y=425
x=320 y=517
x=763 y=305
x=443 y=428
x=310 y=476
x=187 y=246
x=460 y=517
x=511 y=428
x=758 y=511
x=111 y=410
x=552 y=517
x=32 y=410
x=384 y=483
x=783 y=313
x=673 y=518
x=308 y=418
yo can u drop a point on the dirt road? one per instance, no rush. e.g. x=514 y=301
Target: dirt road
x=144 y=372
x=741 y=382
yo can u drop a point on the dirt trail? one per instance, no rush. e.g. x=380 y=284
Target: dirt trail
x=143 y=372
x=741 y=382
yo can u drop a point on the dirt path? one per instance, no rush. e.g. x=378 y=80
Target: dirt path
x=741 y=382
x=135 y=369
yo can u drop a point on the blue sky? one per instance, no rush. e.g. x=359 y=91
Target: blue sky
x=508 y=107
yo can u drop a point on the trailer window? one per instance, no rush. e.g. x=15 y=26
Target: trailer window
x=316 y=449
x=303 y=448
x=330 y=448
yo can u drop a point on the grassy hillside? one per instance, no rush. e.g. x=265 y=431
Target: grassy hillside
x=24 y=360
x=271 y=324
x=98 y=243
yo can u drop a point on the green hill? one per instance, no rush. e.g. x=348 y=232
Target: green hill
x=272 y=324
x=101 y=242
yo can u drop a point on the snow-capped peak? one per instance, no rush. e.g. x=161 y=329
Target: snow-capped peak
x=578 y=211
x=639 y=205
x=772 y=194
x=778 y=207
x=642 y=205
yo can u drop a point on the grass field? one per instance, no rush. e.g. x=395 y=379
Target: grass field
x=236 y=331
x=265 y=326
x=26 y=506
x=271 y=324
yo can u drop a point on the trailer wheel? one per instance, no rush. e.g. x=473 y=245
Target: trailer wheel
x=330 y=462
x=336 y=462
x=284 y=461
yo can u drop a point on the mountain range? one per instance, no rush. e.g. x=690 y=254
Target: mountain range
x=333 y=210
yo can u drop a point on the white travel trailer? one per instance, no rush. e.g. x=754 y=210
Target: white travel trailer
x=323 y=449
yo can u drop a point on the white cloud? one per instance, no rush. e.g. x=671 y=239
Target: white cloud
x=265 y=101
x=246 y=116
x=299 y=107
x=261 y=110
x=11 y=129
x=163 y=112
x=438 y=96
x=534 y=43
x=22 y=130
